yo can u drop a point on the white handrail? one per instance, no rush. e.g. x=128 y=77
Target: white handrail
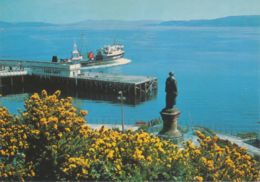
x=13 y=73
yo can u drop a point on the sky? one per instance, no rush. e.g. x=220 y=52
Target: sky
x=70 y=11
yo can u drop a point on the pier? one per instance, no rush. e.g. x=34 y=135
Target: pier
x=130 y=85
x=34 y=75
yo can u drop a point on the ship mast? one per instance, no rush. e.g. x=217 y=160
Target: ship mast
x=82 y=48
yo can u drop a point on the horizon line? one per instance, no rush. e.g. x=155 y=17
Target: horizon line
x=124 y=20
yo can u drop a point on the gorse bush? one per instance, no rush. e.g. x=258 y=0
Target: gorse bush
x=41 y=138
x=50 y=140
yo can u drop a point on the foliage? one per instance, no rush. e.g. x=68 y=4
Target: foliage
x=50 y=140
x=13 y=143
x=215 y=161
x=247 y=135
x=39 y=137
x=149 y=124
x=204 y=130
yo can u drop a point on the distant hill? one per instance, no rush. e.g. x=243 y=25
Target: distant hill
x=24 y=24
x=113 y=24
x=233 y=21
x=116 y=22
x=97 y=24
x=230 y=21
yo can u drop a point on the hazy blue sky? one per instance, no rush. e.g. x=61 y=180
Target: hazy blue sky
x=66 y=11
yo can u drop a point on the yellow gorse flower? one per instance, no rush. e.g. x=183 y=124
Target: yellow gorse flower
x=53 y=130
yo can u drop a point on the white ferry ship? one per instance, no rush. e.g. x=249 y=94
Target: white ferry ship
x=107 y=55
x=111 y=52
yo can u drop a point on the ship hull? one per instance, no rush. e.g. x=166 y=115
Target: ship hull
x=113 y=57
x=104 y=61
x=102 y=64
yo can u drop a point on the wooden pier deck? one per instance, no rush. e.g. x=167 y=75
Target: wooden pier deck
x=115 y=77
x=110 y=84
x=68 y=77
x=128 y=84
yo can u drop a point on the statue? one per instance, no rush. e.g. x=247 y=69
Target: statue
x=170 y=114
x=171 y=91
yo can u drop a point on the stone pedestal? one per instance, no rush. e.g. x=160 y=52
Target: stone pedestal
x=170 y=117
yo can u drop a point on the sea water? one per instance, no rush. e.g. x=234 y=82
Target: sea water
x=217 y=70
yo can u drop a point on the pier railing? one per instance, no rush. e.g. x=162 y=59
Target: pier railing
x=13 y=73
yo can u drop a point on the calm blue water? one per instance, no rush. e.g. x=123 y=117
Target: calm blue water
x=217 y=69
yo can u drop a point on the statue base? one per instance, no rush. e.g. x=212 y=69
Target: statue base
x=170 y=129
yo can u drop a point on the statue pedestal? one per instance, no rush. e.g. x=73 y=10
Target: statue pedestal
x=170 y=129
